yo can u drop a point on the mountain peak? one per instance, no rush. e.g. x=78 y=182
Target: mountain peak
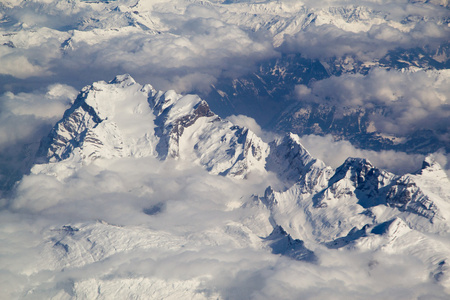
x=358 y=171
x=122 y=118
x=428 y=162
x=290 y=160
x=107 y=120
x=357 y=162
x=391 y=228
x=430 y=165
x=124 y=80
x=282 y=243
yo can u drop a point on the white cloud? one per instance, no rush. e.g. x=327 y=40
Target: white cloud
x=335 y=153
x=192 y=59
x=245 y=121
x=169 y=42
x=250 y=123
x=23 y=113
x=302 y=90
x=411 y=100
x=379 y=26
x=328 y=41
x=183 y=47
x=193 y=247
x=24 y=119
x=18 y=66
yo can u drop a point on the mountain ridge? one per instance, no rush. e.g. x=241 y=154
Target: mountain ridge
x=172 y=126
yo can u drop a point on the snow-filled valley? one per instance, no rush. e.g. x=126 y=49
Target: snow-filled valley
x=206 y=149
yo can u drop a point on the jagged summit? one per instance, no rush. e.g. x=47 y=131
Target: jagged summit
x=428 y=162
x=124 y=80
x=122 y=118
x=357 y=195
x=354 y=169
x=108 y=119
x=431 y=167
x=282 y=243
x=293 y=163
x=355 y=206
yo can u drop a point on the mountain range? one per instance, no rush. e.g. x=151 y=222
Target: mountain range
x=271 y=157
x=312 y=210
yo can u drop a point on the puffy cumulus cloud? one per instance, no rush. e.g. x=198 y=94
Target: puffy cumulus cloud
x=409 y=100
x=28 y=53
x=167 y=229
x=21 y=113
x=302 y=90
x=197 y=81
x=19 y=66
x=245 y=121
x=146 y=183
x=334 y=153
x=444 y=160
x=187 y=240
x=186 y=46
x=50 y=105
x=24 y=119
x=55 y=14
x=346 y=275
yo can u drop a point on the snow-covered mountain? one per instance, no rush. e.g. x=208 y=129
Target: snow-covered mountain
x=125 y=119
x=118 y=128
x=122 y=118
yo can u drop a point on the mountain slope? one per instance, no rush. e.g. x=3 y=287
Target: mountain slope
x=124 y=119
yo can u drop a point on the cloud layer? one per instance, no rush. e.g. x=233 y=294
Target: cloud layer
x=404 y=101
x=193 y=246
x=334 y=153
x=188 y=45
x=369 y=30
x=24 y=119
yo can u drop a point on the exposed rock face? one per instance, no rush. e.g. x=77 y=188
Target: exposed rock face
x=107 y=120
x=282 y=243
x=123 y=118
x=293 y=163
